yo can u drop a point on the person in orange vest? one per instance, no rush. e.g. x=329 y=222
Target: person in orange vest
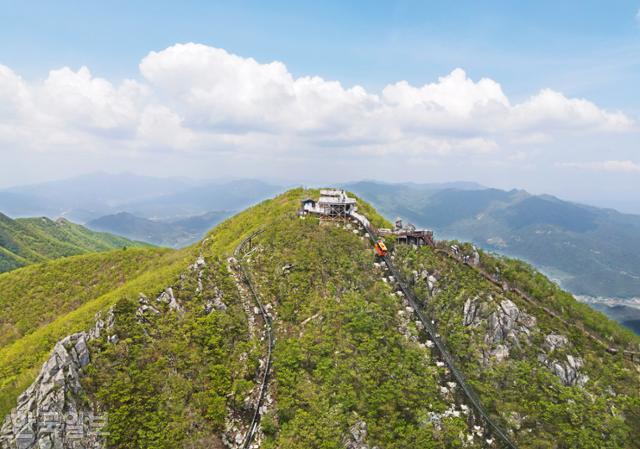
x=381 y=248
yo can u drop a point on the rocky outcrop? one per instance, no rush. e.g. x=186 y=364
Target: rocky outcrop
x=49 y=413
x=356 y=439
x=470 y=312
x=145 y=308
x=566 y=367
x=431 y=279
x=568 y=371
x=472 y=257
x=169 y=298
x=506 y=325
x=553 y=342
x=215 y=302
x=53 y=413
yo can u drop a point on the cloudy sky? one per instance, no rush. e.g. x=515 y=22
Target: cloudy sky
x=545 y=97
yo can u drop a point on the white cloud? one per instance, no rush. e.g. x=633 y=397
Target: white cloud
x=453 y=94
x=551 y=110
x=198 y=98
x=79 y=100
x=625 y=166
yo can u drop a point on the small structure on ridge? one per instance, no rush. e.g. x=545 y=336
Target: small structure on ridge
x=333 y=203
x=408 y=234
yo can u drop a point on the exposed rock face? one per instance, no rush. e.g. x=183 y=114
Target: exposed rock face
x=102 y=325
x=357 y=437
x=508 y=323
x=431 y=279
x=500 y=353
x=555 y=341
x=568 y=370
x=145 y=308
x=215 y=303
x=470 y=312
x=49 y=415
x=168 y=297
x=507 y=326
x=474 y=257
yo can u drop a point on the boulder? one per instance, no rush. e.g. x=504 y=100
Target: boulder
x=356 y=439
x=168 y=297
x=555 y=341
x=469 y=312
x=567 y=368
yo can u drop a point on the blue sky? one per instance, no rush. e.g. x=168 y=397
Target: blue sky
x=570 y=50
x=525 y=46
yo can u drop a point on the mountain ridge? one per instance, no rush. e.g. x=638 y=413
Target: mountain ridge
x=32 y=240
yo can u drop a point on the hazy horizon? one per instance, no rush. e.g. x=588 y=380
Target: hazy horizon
x=620 y=206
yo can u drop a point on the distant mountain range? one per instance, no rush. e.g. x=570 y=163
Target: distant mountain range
x=88 y=197
x=204 y=198
x=170 y=212
x=591 y=251
x=174 y=233
x=85 y=197
x=29 y=240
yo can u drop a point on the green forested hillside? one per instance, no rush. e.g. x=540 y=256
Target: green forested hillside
x=504 y=344
x=29 y=240
x=35 y=295
x=42 y=303
x=182 y=363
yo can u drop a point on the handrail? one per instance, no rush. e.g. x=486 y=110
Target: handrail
x=253 y=427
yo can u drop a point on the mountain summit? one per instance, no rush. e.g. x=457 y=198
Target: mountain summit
x=285 y=330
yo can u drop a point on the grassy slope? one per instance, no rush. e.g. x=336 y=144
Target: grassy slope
x=33 y=296
x=31 y=240
x=184 y=371
x=209 y=362
x=21 y=358
x=78 y=287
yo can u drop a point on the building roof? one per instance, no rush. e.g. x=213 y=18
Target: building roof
x=331 y=192
x=336 y=200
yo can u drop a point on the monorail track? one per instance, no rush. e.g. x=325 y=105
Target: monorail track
x=238 y=254
x=432 y=332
